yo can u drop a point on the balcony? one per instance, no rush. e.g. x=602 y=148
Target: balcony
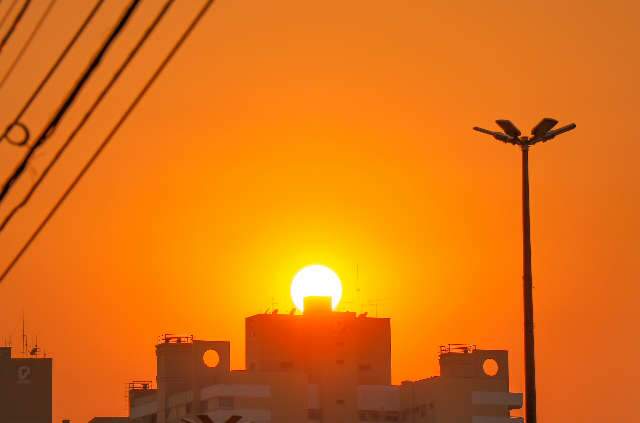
x=507 y=399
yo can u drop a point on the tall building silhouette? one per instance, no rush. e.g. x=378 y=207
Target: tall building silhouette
x=320 y=366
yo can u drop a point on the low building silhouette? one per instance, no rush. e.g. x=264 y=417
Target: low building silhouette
x=25 y=388
x=319 y=366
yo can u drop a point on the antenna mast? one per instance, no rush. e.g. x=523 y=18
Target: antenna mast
x=24 y=337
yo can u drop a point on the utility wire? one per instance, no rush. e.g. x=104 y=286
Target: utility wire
x=8 y=12
x=185 y=35
x=52 y=70
x=14 y=24
x=53 y=123
x=27 y=43
x=90 y=111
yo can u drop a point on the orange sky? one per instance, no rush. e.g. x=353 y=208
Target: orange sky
x=293 y=132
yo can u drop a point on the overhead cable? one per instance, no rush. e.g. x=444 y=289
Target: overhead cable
x=89 y=112
x=8 y=12
x=185 y=35
x=16 y=122
x=66 y=104
x=14 y=24
x=27 y=43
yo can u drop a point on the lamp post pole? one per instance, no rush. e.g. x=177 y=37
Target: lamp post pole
x=529 y=344
x=542 y=132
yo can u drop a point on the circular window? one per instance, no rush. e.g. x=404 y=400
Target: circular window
x=211 y=358
x=490 y=367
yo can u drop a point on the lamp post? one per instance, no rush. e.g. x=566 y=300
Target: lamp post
x=542 y=132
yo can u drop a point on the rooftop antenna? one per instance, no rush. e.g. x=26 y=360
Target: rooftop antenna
x=358 y=286
x=35 y=350
x=24 y=337
x=375 y=303
x=272 y=307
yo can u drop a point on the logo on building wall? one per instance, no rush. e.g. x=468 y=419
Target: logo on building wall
x=24 y=375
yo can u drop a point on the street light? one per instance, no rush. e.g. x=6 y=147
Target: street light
x=542 y=132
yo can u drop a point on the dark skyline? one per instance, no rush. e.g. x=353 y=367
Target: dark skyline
x=287 y=133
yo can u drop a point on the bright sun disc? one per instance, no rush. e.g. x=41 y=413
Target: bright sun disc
x=316 y=281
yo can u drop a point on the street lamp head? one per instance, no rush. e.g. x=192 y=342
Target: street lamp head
x=552 y=134
x=542 y=132
x=497 y=135
x=543 y=127
x=509 y=128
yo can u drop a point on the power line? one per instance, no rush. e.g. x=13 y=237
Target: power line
x=89 y=112
x=185 y=35
x=14 y=24
x=52 y=70
x=8 y=12
x=27 y=43
x=53 y=123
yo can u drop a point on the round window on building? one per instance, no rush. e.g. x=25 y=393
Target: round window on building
x=211 y=358
x=490 y=367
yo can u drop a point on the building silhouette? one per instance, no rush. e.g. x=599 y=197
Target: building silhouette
x=320 y=366
x=25 y=388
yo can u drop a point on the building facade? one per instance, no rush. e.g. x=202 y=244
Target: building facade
x=25 y=388
x=320 y=366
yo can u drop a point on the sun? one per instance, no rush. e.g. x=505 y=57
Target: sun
x=316 y=281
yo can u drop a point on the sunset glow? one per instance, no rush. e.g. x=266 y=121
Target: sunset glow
x=294 y=149
x=316 y=280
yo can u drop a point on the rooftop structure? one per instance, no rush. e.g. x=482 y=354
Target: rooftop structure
x=321 y=340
